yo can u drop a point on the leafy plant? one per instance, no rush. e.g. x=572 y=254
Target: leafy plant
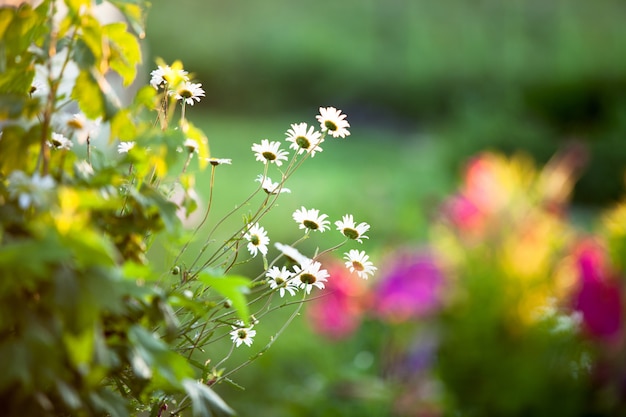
x=88 y=326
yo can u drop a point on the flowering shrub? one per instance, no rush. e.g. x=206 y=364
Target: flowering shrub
x=88 y=325
x=513 y=308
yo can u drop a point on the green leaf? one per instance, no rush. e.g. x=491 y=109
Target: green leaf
x=125 y=53
x=122 y=126
x=205 y=402
x=135 y=13
x=88 y=95
x=192 y=132
x=92 y=36
x=150 y=197
x=6 y=16
x=233 y=287
x=169 y=369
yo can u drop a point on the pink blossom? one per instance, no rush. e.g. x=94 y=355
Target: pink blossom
x=337 y=313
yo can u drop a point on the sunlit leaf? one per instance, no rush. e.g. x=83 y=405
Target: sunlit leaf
x=233 y=287
x=125 y=53
x=88 y=95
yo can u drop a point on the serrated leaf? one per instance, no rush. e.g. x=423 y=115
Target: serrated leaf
x=233 y=287
x=135 y=12
x=92 y=36
x=125 y=53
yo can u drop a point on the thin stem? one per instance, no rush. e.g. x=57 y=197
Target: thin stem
x=204 y=219
x=269 y=344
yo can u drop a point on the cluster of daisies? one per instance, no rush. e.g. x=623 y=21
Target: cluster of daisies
x=176 y=83
x=305 y=273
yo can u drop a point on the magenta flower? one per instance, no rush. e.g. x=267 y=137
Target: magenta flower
x=410 y=288
x=599 y=296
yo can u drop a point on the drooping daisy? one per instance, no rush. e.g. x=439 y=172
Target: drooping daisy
x=311 y=219
x=271 y=187
x=310 y=275
x=269 y=152
x=124 y=147
x=303 y=140
x=188 y=92
x=242 y=335
x=292 y=253
x=191 y=145
x=357 y=261
x=219 y=161
x=257 y=239
x=332 y=121
x=58 y=141
x=166 y=75
x=82 y=127
x=281 y=279
x=351 y=230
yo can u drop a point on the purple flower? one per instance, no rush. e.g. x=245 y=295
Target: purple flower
x=410 y=288
x=599 y=296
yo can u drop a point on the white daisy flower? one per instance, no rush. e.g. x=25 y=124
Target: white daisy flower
x=166 y=75
x=58 y=141
x=310 y=275
x=191 y=145
x=271 y=187
x=357 y=261
x=188 y=92
x=303 y=140
x=281 y=279
x=292 y=253
x=311 y=219
x=35 y=86
x=30 y=191
x=269 y=152
x=242 y=335
x=82 y=127
x=124 y=147
x=219 y=161
x=351 y=230
x=257 y=239
x=332 y=121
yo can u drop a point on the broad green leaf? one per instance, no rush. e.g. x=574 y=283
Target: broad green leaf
x=93 y=37
x=6 y=15
x=233 y=287
x=205 y=402
x=88 y=95
x=15 y=152
x=80 y=346
x=135 y=13
x=125 y=53
x=150 y=197
x=169 y=369
x=122 y=126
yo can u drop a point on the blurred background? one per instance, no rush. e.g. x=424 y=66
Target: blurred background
x=425 y=86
